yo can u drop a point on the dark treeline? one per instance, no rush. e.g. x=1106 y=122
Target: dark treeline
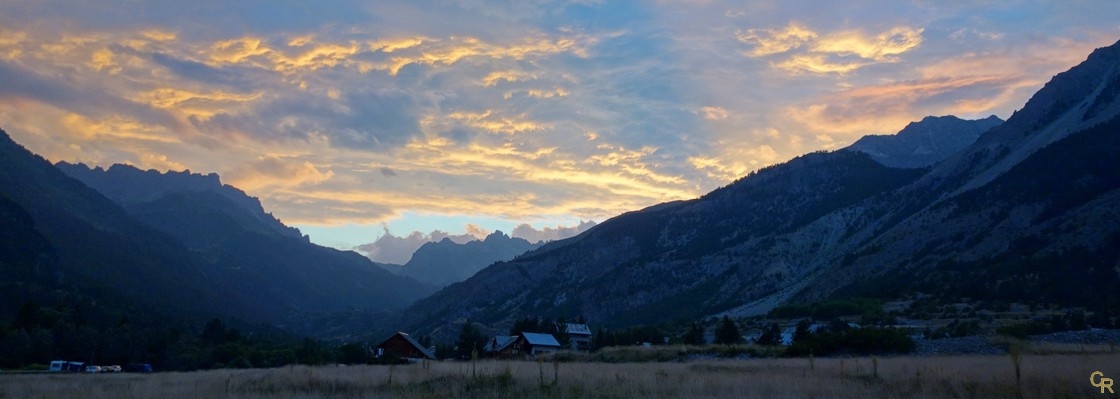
x=77 y=331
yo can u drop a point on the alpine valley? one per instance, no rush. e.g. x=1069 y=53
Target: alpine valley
x=1024 y=210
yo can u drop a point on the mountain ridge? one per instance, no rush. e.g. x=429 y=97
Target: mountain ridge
x=445 y=262
x=926 y=142
x=183 y=242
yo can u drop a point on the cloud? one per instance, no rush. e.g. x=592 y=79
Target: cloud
x=519 y=111
x=531 y=234
x=277 y=171
x=882 y=47
x=389 y=248
x=776 y=41
x=805 y=50
x=970 y=85
x=735 y=161
x=714 y=113
x=886 y=108
x=159 y=162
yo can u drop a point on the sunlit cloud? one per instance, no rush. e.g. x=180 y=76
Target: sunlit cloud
x=159 y=162
x=115 y=128
x=714 y=113
x=276 y=171
x=882 y=47
x=776 y=41
x=547 y=110
x=884 y=109
x=835 y=52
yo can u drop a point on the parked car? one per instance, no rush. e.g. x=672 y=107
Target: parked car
x=138 y=368
x=93 y=369
x=111 y=369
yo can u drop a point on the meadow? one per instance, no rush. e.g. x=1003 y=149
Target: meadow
x=1045 y=372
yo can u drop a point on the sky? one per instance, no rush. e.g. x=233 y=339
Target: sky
x=375 y=125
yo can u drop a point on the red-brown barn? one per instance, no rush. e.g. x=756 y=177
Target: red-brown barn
x=403 y=346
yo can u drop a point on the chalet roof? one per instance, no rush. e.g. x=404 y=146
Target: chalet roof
x=412 y=342
x=500 y=342
x=577 y=329
x=536 y=339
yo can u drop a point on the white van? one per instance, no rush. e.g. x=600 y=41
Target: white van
x=58 y=366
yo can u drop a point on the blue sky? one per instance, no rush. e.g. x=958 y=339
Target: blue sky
x=351 y=119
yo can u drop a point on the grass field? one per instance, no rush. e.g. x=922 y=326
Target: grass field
x=1053 y=373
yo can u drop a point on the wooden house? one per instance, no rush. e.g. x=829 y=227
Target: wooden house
x=579 y=336
x=403 y=346
x=534 y=344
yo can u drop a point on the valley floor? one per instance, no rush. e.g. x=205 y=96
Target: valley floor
x=1052 y=372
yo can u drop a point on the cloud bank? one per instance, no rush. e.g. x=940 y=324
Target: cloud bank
x=359 y=112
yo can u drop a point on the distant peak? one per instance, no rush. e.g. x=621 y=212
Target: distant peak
x=496 y=234
x=925 y=142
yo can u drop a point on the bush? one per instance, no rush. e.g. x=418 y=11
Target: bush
x=856 y=341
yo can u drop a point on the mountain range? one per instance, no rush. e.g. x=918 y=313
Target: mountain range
x=177 y=243
x=445 y=262
x=1024 y=210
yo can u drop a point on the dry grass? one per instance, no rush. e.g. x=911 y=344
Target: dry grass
x=1043 y=376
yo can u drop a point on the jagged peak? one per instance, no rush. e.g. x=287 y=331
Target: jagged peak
x=925 y=142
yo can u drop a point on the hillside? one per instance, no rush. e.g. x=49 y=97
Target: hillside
x=63 y=238
x=267 y=272
x=1032 y=201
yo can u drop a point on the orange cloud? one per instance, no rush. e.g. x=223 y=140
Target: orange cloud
x=159 y=162
x=839 y=52
x=889 y=107
x=882 y=47
x=189 y=103
x=277 y=172
x=775 y=41
x=714 y=113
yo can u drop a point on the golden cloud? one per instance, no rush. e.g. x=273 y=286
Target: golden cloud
x=455 y=49
x=727 y=164
x=887 y=108
x=837 y=52
x=389 y=46
x=159 y=162
x=116 y=127
x=493 y=123
x=818 y=63
x=191 y=104
x=493 y=78
x=238 y=50
x=714 y=113
x=881 y=48
x=159 y=35
x=775 y=41
x=618 y=171
x=274 y=172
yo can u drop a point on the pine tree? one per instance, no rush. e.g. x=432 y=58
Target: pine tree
x=695 y=335
x=728 y=333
